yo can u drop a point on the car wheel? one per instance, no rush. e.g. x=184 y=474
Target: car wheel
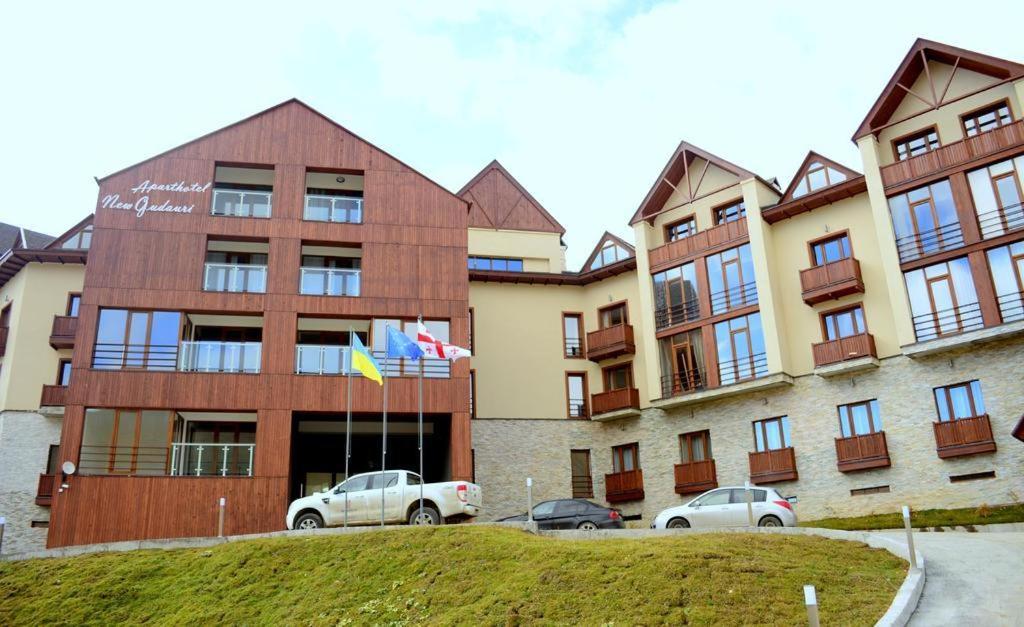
x=678 y=523
x=425 y=516
x=309 y=520
x=587 y=525
x=770 y=521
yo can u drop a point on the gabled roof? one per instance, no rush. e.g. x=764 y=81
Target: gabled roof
x=13 y=236
x=678 y=169
x=813 y=157
x=499 y=201
x=914 y=63
x=608 y=237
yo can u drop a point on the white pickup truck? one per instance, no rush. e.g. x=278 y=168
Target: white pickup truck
x=450 y=501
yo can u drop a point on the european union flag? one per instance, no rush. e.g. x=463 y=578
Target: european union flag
x=399 y=345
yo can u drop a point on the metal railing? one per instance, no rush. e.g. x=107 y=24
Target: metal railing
x=681 y=382
x=318 y=359
x=235 y=277
x=1011 y=306
x=241 y=203
x=138 y=356
x=578 y=408
x=333 y=209
x=734 y=298
x=212 y=459
x=949 y=321
x=433 y=368
x=205 y=356
x=582 y=487
x=329 y=281
x=1002 y=220
x=573 y=347
x=918 y=245
x=742 y=369
x=123 y=460
x=671 y=315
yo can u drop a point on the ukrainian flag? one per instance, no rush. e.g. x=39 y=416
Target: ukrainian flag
x=362 y=361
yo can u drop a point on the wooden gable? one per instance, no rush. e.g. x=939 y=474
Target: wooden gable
x=498 y=201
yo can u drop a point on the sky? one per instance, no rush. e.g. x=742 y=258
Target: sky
x=583 y=101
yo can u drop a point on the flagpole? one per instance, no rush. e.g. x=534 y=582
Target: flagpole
x=348 y=418
x=384 y=438
x=419 y=321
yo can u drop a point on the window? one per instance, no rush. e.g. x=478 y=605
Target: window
x=675 y=296
x=64 y=372
x=695 y=447
x=1006 y=264
x=610 y=253
x=740 y=344
x=472 y=329
x=730 y=213
x=582 y=481
x=74 y=302
x=963 y=400
x=472 y=393
x=832 y=248
x=137 y=339
x=243 y=192
x=682 y=363
x=53 y=459
x=80 y=240
x=731 y=279
x=544 y=510
x=718 y=497
x=232 y=271
x=843 y=323
x=572 y=334
x=355 y=484
x=373 y=482
x=771 y=434
x=818 y=176
x=412 y=479
x=612 y=315
x=916 y=143
x=500 y=264
x=625 y=458
x=681 y=229
x=997 y=191
x=576 y=394
x=618 y=377
x=861 y=418
x=125 y=442
x=925 y=221
x=943 y=300
x=986 y=119
x=330 y=275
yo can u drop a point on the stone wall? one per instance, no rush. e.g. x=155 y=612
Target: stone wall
x=25 y=439
x=508 y=450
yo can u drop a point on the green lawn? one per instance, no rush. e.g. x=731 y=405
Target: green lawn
x=926 y=518
x=460 y=575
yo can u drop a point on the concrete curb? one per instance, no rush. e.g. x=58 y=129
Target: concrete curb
x=993 y=528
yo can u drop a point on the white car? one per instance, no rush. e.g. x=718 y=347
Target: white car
x=357 y=501
x=727 y=507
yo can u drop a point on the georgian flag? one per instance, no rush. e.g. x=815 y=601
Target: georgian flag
x=436 y=348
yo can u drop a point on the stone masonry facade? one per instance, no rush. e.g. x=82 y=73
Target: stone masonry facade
x=25 y=438
x=509 y=450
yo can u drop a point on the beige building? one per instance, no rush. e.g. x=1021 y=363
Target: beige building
x=852 y=338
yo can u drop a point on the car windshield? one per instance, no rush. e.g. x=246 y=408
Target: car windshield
x=544 y=509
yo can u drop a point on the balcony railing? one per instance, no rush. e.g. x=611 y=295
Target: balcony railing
x=624 y=486
x=135 y=356
x=329 y=281
x=672 y=253
x=205 y=356
x=917 y=245
x=1011 y=306
x=578 y=408
x=235 y=277
x=943 y=322
x=433 y=368
x=44 y=489
x=831 y=280
x=742 y=369
x=582 y=487
x=966 y=436
x=953 y=155
x=610 y=342
x=573 y=347
x=241 y=203
x=211 y=459
x=333 y=209
x=843 y=349
x=734 y=297
x=862 y=452
x=773 y=466
x=614 y=400
x=185 y=459
x=681 y=383
x=53 y=396
x=317 y=359
x=1001 y=221
x=124 y=460
x=3 y=340
x=62 y=333
x=665 y=317
x=692 y=477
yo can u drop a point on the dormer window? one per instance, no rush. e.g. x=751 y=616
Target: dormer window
x=917 y=143
x=987 y=119
x=818 y=176
x=80 y=240
x=609 y=254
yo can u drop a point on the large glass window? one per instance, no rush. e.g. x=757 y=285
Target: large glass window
x=625 y=458
x=137 y=339
x=675 y=296
x=925 y=221
x=963 y=400
x=576 y=394
x=1007 y=266
x=861 y=418
x=943 y=300
x=843 y=323
x=731 y=279
x=125 y=441
x=609 y=254
x=916 y=144
x=817 y=176
x=740 y=344
x=79 y=240
x=500 y=264
x=987 y=119
x=997 y=193
x=771 y=434
x=572 y=334
x=682 y=363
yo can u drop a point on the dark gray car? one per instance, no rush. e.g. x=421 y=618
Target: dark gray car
x=572 y=514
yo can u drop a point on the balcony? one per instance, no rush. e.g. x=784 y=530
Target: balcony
x=44 y=490
x=53 y=396
x=693 y=477
x=862 y=452
x=953 y=155
x=241 y=203
x=344 y=209
x=610 y=342
x=1001 y=221
x=916 y=245
x=317 y=359
x=180 y=459
x=624 y=486
x=3 y=340
x=733 y=298
x=681 y=383
x=831 y=280
x=951 y=321
x=235 y=277
x=582 y=487
x=773 y=466
x=62 y=334
x=618 y=401
x=742 y=369
x=966 y=436
x=1011 y=306
x=665 y=317
x=674 y=253
x=858 y=348
x=206 y=356
x=329 y=281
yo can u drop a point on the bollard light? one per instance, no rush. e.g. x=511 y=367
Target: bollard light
x=529 y=499
x=811 y=601
x=3 y=523
x=910 y=537
x=220 y=517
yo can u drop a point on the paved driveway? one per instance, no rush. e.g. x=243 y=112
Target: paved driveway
x=973 y=578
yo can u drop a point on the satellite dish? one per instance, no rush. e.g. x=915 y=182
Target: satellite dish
x=68 y=468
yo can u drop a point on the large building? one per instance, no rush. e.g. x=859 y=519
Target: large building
x=854 y=337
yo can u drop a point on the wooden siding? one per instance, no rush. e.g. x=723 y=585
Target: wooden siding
x=967 y=436
x=773 y=466
x=605 y=402
x=862 y=452
x=610 y=342
x=831 y=280
x=843 y=349
x=624 y=486
x=700 y=243
x=53 y=396
x=694 y=477
x=62 y=334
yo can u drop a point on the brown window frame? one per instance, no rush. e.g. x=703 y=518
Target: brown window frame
x=695 y=378
x=472 y=328
x=607 y=371
x=849 y=418
x=579 y=492
x=618 y=456
x=601 y=311
x=827 y=239
x=717 y=213
x=584 y=413
x=686 y=442
x=581 y=352
x=60 y=371
x=764 y=433
x=112 y=458
x=833 y=313
x=949 y=402
x=909 y=137
x=672 y=226
x=472 y=393
x=71 y=298
x=974 y=114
